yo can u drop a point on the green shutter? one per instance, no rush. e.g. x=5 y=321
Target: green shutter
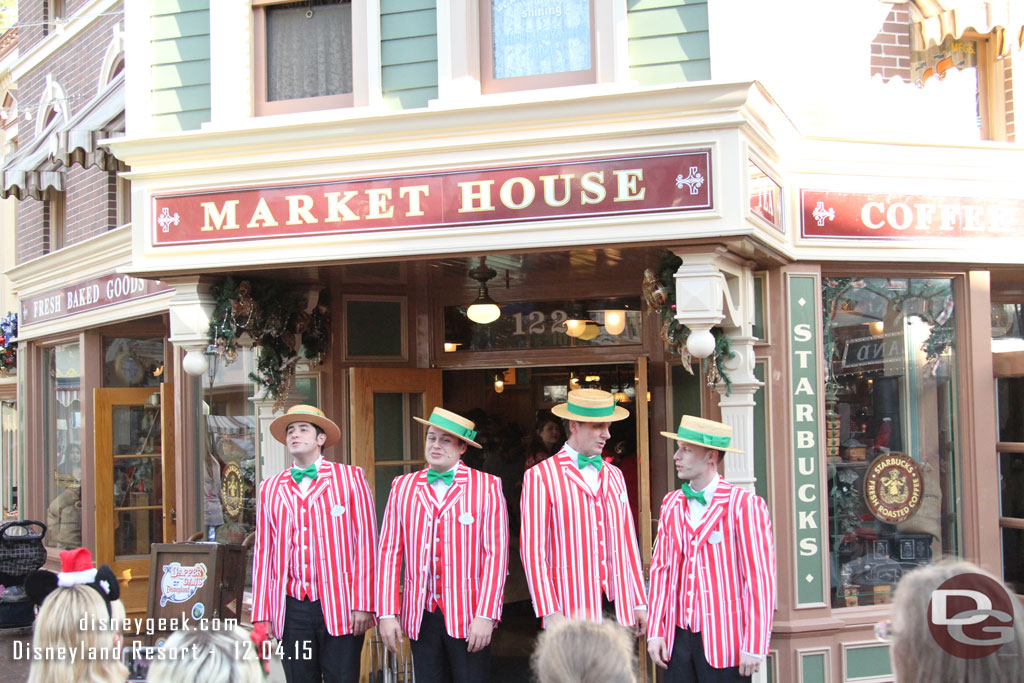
x=668 y=41
x=408 y=50
x=180 y=74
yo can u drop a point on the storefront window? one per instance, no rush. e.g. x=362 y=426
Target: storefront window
x=62 y=445
x=9 y=460
x=891 y=420
x=133 y=362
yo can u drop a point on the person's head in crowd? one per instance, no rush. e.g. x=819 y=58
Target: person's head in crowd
x=577 y=651
x=916 y=655
x=59 y=625
x=548 y=433
x=207 y=656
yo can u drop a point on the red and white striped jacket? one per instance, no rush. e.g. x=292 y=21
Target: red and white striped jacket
x=343 y=528
x=728 y=560
x=462 y=539
x=562 y=521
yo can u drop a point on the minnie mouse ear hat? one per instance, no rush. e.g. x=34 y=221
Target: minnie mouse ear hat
x=77 y=569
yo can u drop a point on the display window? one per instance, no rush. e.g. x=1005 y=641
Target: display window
x=62 y=444
x=891 y=425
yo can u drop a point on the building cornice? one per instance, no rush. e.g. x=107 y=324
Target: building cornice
x=95 y=256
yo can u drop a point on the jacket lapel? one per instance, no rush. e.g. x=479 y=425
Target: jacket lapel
x=456 y=490
x=573 y=474
x=713 y=513
x=423 y=493
x=324 y=479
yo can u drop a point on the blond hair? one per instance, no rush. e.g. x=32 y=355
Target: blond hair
x=63 y=651
x=917 y=658
x=584 y=652
x=214 y=655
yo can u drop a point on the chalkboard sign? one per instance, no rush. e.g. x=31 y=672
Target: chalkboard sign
x=541 y=325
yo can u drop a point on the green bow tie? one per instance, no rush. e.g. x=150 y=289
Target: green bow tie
x=299 y=472
x=695 y=495
x=447 y=477
x=595 y=460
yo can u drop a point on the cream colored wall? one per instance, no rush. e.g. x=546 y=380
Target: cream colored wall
x=7 y=214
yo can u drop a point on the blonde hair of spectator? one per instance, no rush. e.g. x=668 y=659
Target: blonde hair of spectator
x=917 y=658
x=58 y=626
x=207 y=655
x=584 y=652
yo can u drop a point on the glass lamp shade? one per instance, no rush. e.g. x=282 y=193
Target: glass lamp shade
x=483 y=310
x=499 y=386
x=615 y=322
x=591 y=330
x=575 y=328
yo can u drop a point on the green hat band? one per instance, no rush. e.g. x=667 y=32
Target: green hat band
x=454 y=427
x=706 y=439
x=603 y=411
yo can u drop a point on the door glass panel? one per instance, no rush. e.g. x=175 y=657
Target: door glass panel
x=1013 y=559
x=396 y=438
x=133 y=362
x=1010 y=392
x=137 y=429
x=134 y=530
x=9 y=460
x=62 y=445
x=137 y=482
x=1011 y=472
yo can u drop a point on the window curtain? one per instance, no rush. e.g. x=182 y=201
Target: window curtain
x=309 y=56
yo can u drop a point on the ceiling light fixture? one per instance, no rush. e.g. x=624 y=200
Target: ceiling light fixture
x=615 y=322
x=483 y=310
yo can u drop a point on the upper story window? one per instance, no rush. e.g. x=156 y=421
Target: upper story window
x=53 y=11
x=303 y=55
x=536 y=44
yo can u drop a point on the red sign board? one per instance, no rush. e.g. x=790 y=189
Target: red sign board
x=569 y=189
x=765 y=196
x=86 y=296
x=900 y=216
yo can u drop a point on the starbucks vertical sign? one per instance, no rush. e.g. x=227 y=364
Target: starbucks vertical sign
x=804 y=332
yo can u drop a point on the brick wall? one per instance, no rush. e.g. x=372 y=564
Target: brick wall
x=89 y=205
x=890 y=49
x=1008 y=89
x=36 y=11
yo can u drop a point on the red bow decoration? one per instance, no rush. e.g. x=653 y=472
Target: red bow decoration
x=259 y=635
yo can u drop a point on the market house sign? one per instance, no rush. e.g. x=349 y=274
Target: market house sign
x=893 y=487
x=899 y=216
x=569 y=189
x=87 y=295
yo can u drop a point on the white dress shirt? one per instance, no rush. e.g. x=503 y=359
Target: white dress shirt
x=306 y=481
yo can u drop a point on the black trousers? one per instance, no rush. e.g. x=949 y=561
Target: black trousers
x=311 y=654
x=439 y=658
x=689 y=665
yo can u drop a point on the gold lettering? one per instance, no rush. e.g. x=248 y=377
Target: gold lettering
x=299 y=212
x=549 y=188
x=263 y=215
x=476 y=196
x=592 y=185
x=415 y=192
x=337 y=207
x=219 y=220
x=506 y=193
x=378 y=201
x=627 y=184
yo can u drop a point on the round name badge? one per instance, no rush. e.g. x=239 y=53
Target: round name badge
x=716 y=537
x=337 y=510
x=466 y=518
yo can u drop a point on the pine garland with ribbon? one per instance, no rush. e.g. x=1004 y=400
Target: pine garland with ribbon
x=8 y=347
x=659 y=290
x=275 y=317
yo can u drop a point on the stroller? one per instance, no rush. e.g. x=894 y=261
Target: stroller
x=21 y=552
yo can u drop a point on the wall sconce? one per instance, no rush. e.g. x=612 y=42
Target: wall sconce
x=592 y=378
x=483 y=310
x=211 y=364
x=576 y=324
x=499 y=384
x=449 y=347
x=614 y=322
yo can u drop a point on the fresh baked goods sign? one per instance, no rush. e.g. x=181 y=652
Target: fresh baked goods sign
x=893 y=487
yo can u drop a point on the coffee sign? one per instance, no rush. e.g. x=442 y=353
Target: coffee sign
x=568 y=189
x=893 y=487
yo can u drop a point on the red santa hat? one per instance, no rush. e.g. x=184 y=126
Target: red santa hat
x=76 y=568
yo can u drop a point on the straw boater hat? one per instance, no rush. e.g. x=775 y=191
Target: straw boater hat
x=453 y=424
x=304 y=413
x=590 y=405
x=701 y=432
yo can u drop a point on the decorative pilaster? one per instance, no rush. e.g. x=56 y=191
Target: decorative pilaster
x=738 y=411
x=272 y=454
x=190 y=309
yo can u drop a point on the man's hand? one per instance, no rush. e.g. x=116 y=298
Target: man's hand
x=479 y=635
x=658 y=651
x=749 y=664
x=361 y=622
x=390 y=633
x=553 y=619
x=640 y=627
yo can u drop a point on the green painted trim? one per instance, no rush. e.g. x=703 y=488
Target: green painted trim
x=769 y=668
x=676 y=48
x=408 y=24
x=668 y=20
x=408 y=76
x=686 y=393
x=812 y=668
x=396 y=6
x=410 y=99
x=761 y=434
x=176 y=6
x=192 y=98
x=165 y=76
x=408 y=50
x=193 y=48
x=758 y=329
x=867 y=661
x=186 y=120
x=661 y=74
x=182 y=25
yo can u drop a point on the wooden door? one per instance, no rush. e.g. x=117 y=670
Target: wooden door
x=386 y=442
x=134 y=446
x=643 y=480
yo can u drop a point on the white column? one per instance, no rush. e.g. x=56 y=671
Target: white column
x=190 y=309
x=738 y=411
x=231 y=65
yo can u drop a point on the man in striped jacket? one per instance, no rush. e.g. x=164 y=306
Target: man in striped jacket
x=450 y=525
x=312 y=574
x=713 y=570
x=578 y=541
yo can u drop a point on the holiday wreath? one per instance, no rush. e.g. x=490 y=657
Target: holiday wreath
x=8 y=347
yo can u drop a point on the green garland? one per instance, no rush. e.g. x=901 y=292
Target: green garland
x=8 y=347
x=660 y=293
x=275 y=317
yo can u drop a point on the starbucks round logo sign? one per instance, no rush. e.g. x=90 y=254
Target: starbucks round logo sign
x=893 y=487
